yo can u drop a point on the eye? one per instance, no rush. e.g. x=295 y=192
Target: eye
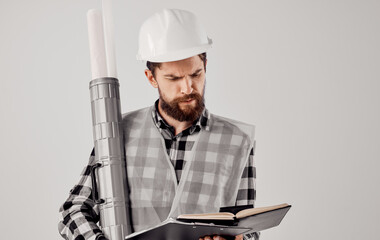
x=195 y=75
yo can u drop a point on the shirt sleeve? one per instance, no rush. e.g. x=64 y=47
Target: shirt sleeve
x=247 y=189
x=79 y=213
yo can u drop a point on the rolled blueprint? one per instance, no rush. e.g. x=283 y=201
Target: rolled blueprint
x=109 y=41
x=96 y=42
x=109 y=178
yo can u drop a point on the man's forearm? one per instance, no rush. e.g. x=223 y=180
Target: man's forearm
x=79 y=213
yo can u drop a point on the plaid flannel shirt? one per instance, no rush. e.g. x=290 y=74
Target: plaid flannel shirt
x=80 y=214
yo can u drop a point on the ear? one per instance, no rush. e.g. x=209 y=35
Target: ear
x=150 y=78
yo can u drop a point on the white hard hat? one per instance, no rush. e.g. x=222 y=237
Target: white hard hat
x=172 y=35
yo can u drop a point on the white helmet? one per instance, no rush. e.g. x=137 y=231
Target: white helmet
x=172 y=35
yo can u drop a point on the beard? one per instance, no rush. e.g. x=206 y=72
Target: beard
x=186 y=114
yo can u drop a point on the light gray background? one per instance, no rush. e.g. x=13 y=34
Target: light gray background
x=306 y=73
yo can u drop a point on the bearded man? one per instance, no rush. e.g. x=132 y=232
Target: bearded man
x=180 y=158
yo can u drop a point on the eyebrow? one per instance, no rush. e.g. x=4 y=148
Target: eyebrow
x=174 y=76
x=197 y=71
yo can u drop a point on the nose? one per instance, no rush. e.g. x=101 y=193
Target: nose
x=186 y=87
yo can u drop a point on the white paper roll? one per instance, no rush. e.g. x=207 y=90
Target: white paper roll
x=96 y=42
x=109 y=41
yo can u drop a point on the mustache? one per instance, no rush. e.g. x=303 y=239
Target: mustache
x=195 y=96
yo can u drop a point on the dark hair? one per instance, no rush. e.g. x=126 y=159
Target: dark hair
x=153 y=65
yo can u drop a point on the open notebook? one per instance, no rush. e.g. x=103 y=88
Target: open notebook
x=193 y=226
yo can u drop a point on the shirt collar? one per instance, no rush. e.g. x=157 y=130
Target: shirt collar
x=202 y=122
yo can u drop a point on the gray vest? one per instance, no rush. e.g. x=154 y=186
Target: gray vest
x=209 y=181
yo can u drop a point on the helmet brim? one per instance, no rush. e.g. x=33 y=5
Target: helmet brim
x=176 y=55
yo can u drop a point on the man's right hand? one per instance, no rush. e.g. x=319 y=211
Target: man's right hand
x=217 y=237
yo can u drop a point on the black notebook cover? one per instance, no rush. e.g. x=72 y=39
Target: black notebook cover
x=176 y=230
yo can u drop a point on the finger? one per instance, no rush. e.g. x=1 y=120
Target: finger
x=207 y=238
x=239 y=237
x=217 y=237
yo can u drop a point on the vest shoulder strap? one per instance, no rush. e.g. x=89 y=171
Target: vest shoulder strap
x=237 y=126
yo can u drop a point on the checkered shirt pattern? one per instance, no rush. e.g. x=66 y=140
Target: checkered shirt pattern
x=179 y=146
x=80 y=213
